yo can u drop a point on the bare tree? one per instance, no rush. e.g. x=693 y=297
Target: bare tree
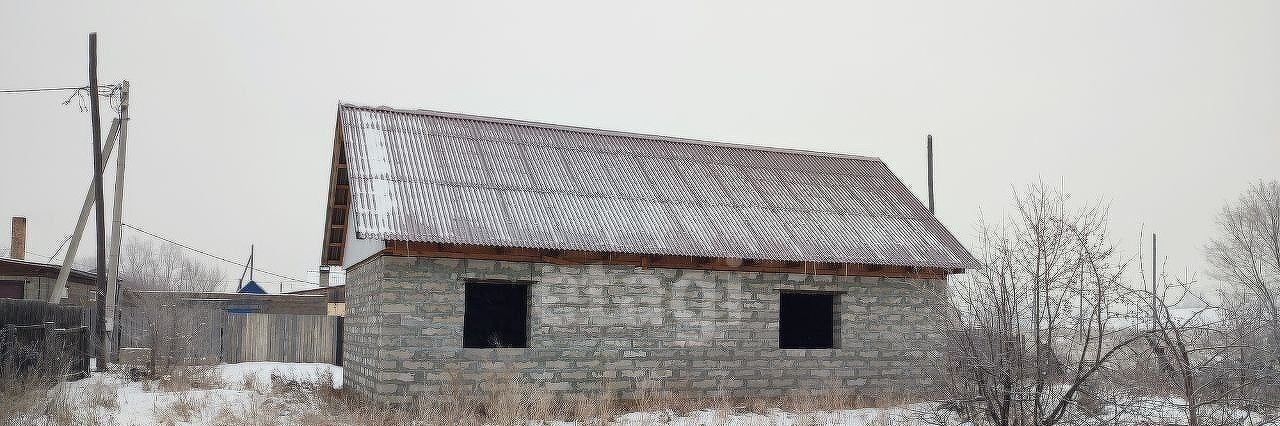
x=1036 y=327
x=1246 y=255
x=1196 y=348
x=146 y=266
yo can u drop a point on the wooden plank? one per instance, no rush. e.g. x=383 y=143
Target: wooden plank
x=337 y=164
x=515 y=254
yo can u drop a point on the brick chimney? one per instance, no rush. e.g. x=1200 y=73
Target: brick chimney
x=18 y=238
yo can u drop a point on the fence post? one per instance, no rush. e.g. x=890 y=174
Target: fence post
x=47 y=352
x=82 y=351
x=337 y=338
x=8 y=364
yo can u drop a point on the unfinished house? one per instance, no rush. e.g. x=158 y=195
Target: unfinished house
x=584 y=259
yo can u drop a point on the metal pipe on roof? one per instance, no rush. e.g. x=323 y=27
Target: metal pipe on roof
x=929 y=148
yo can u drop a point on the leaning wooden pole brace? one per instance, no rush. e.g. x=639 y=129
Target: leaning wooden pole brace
x=60 y=288
x=113 y=258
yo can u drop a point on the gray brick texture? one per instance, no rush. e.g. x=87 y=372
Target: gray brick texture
x=629 y=328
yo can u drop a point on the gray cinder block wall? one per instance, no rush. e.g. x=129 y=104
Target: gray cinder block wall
x=670 y=329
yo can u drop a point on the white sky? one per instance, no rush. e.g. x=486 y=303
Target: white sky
x=1165 y=108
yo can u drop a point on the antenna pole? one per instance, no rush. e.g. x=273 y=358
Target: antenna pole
x=243 y=272
x=929 y=160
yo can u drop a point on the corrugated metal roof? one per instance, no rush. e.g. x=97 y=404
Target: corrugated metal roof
x=450 y=178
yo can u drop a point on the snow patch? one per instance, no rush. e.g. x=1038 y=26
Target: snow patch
x=313 y=373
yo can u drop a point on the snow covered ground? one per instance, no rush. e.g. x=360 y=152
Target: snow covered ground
x=283 y=394
x=269 y=393
x=222 y=395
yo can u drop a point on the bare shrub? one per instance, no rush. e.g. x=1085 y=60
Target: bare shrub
x=30 y=385
x=181 y=407
x=185 y=378
x=1035 y=328
x=283 y=385
x=61 y=406
x=250 y=382
x=101 y=394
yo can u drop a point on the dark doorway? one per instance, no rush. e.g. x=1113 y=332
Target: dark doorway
x=11 y=289
x=496 y=316
x=806 y=320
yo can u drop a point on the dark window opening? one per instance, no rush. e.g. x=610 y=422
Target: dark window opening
x=496 y=316
x=807 y=321
x=11 y=289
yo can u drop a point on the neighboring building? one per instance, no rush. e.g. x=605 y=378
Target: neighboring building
x=251 y=287
x=335 y=295
x=22 y=279
x=238 y=303
x=578 y=256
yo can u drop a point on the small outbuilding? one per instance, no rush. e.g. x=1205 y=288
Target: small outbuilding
x=581 y=257
x=335 y=294
x=24 y=279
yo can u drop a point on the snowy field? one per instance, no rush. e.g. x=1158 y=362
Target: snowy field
x=268 y=393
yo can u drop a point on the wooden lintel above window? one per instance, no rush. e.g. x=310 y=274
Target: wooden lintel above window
x=573 y=257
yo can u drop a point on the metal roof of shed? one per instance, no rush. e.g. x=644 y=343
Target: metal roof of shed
x=431 y=176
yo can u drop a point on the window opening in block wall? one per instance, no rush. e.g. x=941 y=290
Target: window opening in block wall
x=807 y=320
x=496 y=315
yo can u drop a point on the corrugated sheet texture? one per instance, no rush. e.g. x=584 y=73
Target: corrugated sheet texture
x=442 y=177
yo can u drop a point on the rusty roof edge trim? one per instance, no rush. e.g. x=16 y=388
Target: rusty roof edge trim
x=525 y=245
x=592 y=130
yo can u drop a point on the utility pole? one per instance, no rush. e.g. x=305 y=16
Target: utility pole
x=929 y=149
x=1155 y=315
x=113 y=278
x=94 y=117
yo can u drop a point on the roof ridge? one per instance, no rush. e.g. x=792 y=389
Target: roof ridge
x=598 y=131
x=43 y=264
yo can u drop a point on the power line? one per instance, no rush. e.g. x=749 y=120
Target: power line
x=102 y=89
x=42 y=89
x=214 y=255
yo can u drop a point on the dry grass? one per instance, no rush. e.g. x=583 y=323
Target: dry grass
x=250 y=382
x=180 y=407
x=500 y=397
x=185 y=378
x=101 y=394
x=34 y=392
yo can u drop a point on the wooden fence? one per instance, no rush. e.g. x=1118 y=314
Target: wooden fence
x=35 y=312
x=282 y=337
x=173 y=333
x=37 y=338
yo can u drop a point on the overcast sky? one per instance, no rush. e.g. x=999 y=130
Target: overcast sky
x=1167 y=109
